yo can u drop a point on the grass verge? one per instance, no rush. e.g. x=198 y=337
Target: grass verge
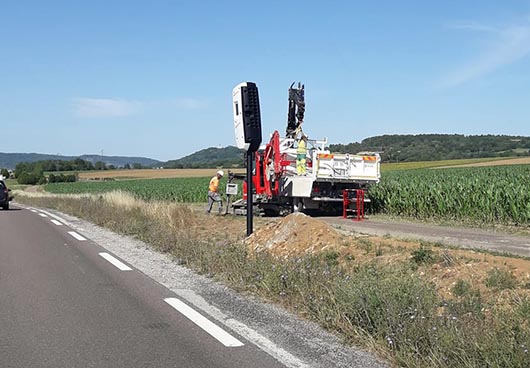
x=387 y=308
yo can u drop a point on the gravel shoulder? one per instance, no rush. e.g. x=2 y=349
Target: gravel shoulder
x=291 y=340
x=494 y=241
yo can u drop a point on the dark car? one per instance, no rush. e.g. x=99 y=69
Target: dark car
x=5 y=197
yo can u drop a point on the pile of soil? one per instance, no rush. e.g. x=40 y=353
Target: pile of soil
x=295 y=235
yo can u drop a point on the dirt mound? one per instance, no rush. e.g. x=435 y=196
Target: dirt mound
x=296 y=234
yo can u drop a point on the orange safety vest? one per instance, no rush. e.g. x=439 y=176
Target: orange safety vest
x=214 y=184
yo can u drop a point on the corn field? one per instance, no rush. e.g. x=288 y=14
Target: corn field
x=174 y=189
x=498 y=194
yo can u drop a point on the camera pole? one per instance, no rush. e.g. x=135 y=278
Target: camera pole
x=250 y=196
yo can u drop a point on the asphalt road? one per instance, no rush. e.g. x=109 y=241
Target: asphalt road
x=64 y=304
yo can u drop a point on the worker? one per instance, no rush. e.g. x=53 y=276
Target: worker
x=213 y=192
x=301 y=153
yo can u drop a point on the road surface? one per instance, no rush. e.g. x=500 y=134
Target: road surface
x=67 y=302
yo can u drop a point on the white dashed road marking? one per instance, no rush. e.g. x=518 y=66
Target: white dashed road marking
x=122 y=266
x=42 y=215
x=215 y=331
x=56 y=222
x=76 y=235
x=54 y=216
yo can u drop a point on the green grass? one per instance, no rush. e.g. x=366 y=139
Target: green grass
x=14 y=185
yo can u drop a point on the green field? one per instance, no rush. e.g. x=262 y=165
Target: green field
x=174 y=189
x=487 y=195
x=434 y=164
x=499 y=194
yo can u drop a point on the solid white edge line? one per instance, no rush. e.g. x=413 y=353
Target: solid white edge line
x=281 y=355
x=215 y=331
x=34 y=211
x=56 y=222
x=76 y=235
x=42 y=215
x=119 y=264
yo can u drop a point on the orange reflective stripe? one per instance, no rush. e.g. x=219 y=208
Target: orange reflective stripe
x=369 y=158
x=325 y=155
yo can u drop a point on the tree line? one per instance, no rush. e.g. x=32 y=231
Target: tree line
x=434 y=147
x=209 y=158
x=34 y=172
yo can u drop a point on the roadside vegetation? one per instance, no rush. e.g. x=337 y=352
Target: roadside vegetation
x=415 y=304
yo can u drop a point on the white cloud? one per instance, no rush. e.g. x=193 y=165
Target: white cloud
x=505 y=46
x=190 y=103
x=472 y=26
x=118 y=107
x=104 y=107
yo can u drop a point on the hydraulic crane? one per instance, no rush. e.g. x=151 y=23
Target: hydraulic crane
x=295 y=115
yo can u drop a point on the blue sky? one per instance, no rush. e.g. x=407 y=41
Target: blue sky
x=154 y=78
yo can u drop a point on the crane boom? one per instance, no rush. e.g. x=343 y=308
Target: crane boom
x=295 y=115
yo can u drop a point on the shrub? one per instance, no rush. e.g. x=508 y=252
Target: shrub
x=29 y=178
x=423 y=255
x=62 y=178
x=461 y=288
x=500 y=279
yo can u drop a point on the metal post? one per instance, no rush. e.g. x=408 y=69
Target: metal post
x=250 y=197
x=345 y=203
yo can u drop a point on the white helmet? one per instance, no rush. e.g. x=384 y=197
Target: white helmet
x=221 y=172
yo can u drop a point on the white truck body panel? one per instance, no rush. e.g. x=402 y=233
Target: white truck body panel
x=346 y=166
x=296 y=186
x=322 y=165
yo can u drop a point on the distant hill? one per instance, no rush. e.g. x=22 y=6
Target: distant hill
x=432 y=147
x=208 y=158
x=10 y=160
x=120 y=161
x=393 y=148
